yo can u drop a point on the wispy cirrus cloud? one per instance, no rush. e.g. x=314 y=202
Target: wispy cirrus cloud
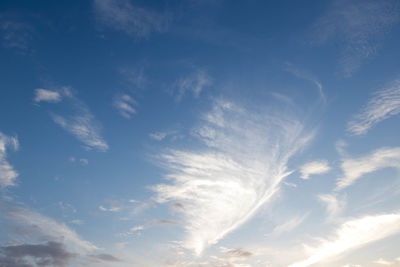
x=334 y=206
x=7 y=172
x=314 y=167
x=16 y=34
x=303 y=74
x=125 y=105
x=351 y=235
x=122 y=15
x=384 y=104
x=240 y=168
x=289 y=225
x=354 y=168
x=360 y=26
x=194 y=83
x=81 y=124
x=45 y=228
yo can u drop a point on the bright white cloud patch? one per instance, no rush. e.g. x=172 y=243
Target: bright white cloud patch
x=124 y=104
x=314 y=167
x=7 y=172
x=43 y=95
x=383 y=262
x=194 y=83
x=352 y=235
x=240 y=168
x=354 y=169
x=121 y=15
x=383 y=105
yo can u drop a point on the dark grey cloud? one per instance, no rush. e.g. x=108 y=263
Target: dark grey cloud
x=105 y=257
x=47 y=254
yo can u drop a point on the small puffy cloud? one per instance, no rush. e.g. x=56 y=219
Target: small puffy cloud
x=7 y=172
x=47 y=254
x=351 y=235
x=158 y=135
x=354 y=168
x=125 y=105
x=384 y=104
x=44 y=95
x=314 y=167
x=122 y=15
x=194 y=83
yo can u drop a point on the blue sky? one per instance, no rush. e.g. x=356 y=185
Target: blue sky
x=200 y=133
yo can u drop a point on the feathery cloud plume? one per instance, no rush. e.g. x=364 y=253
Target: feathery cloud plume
x=384 y=104
x=122 y=15
x=352 y=235
x=240 y=168
x=314 y=167
x=354 y=168
x=7 y=172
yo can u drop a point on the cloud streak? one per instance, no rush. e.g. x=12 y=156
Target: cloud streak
x=193 y=83
x=82 y=124
x=352 y=235
x=354 y=168
x=122 y=15
x=7 y=172
x=384 y=104
x=239 y=168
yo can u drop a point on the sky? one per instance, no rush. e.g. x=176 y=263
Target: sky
x=208 y=133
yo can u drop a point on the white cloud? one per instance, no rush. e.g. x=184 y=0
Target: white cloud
x=360 y=26
x=195 y=82
x=45 y=228
x=46 y=96
x=384 y=262
x=158 y=135
x=302 y=74
x=16 y=34
x=333 y=206
x=82 y=124
x=355 y=168
x=289 y=225
x=240 y=168
x=314 y=167
x=122 y=15
x=124 y=104
x=352 y=235
x=7 y=172
x=384 y=104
